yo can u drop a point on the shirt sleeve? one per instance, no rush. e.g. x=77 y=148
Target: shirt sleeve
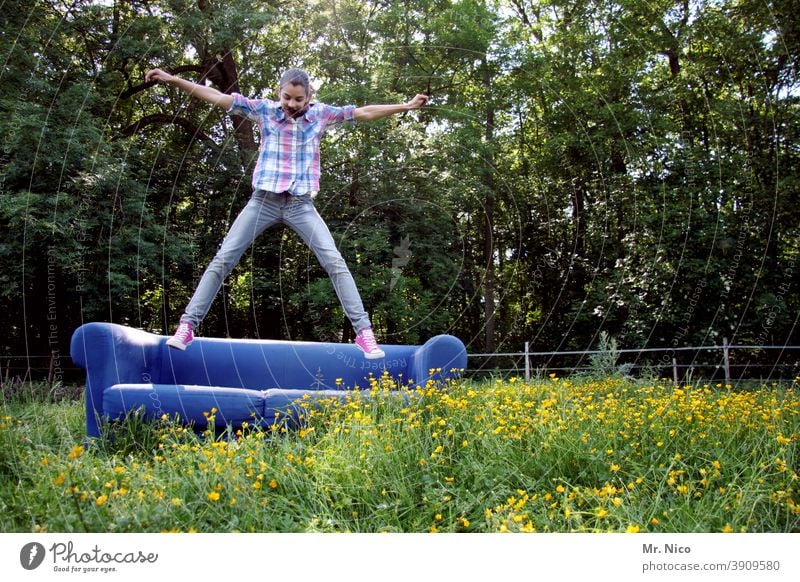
x=338 y=115
x=245 y=107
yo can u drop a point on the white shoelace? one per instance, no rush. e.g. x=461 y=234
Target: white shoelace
x=369 y=340
x=183 y=331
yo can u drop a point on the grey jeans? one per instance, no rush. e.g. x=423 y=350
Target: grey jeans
x=266 y=209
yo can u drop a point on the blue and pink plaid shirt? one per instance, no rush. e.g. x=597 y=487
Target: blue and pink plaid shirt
x=288 y=158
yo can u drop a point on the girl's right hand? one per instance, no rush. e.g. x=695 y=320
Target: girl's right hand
x=157 y=75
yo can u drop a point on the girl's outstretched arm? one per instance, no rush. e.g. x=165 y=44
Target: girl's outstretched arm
x=203 y=92
x=371 y=112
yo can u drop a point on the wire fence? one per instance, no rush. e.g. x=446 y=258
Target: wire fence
x=54 y=368
x=683 y=365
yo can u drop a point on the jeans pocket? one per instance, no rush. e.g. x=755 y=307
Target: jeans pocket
x=300 y=203
x=258 y=196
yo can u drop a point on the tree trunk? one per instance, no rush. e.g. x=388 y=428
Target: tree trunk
x=221 y=70
x=219 y=67
x=488 y=224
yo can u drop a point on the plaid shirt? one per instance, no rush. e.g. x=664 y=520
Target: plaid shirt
x=288 y=158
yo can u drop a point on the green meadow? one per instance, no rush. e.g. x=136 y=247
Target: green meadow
x=499 y=455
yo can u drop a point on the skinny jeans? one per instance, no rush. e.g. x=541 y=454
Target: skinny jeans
x=263 y=210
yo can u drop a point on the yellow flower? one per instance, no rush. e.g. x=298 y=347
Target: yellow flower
x=782 y=440
x=100 y=501
x=632 y=528
x=213 y=496
x=273 y=484
x=728 y=528
x=614 y=467
x=76 y=452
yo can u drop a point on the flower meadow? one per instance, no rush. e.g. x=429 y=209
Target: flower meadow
x=500 y=455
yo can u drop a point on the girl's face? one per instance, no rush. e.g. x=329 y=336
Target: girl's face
x=294 y=99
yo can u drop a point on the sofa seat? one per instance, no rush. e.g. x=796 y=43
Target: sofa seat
x=230 y=406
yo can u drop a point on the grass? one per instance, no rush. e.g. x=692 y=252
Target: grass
x=551 y=455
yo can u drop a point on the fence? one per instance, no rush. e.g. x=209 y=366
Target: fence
x=51 y=368
x=724 y=363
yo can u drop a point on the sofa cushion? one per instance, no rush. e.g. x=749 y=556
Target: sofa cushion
x=234 y=405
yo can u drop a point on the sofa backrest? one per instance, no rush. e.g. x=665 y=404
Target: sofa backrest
x=264 y=364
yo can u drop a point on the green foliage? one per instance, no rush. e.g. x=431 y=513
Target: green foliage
x=605 y=362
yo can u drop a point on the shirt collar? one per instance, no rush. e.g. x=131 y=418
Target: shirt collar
x=280 y=114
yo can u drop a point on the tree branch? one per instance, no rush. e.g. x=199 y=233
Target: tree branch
x=191 y=129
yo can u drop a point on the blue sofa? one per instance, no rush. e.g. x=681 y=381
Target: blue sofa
x=245 y=380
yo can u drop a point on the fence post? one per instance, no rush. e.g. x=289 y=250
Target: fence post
x=675 y=371
x=726 y=355
x=527 y=364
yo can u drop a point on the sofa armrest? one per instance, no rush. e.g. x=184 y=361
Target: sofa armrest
x=441 y=357
x=112 y=354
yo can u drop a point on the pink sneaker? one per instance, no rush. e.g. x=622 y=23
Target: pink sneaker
x=184 y=335
x=366 y=341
